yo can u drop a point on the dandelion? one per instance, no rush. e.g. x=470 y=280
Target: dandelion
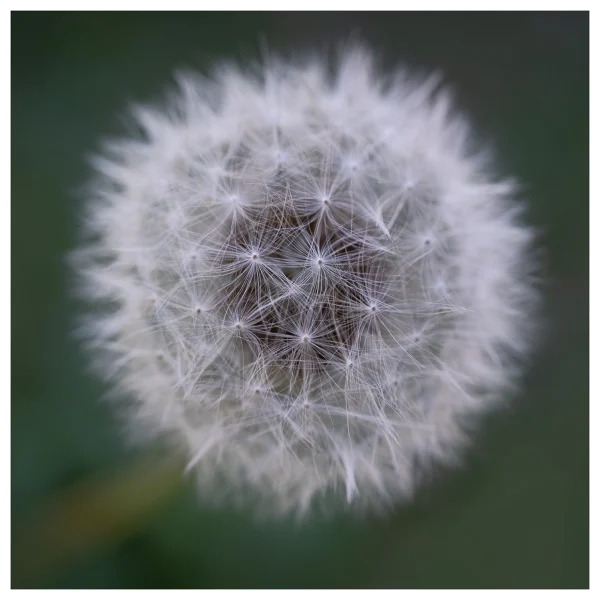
x=312 y=284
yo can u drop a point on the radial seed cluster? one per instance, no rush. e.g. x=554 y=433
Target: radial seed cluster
x=310 y=283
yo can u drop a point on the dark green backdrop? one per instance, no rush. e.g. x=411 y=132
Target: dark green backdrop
x=516 y=515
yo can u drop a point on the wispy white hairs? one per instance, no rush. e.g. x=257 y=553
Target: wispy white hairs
x=311 y=282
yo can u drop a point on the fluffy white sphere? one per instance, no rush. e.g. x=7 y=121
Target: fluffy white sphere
x=310 y=282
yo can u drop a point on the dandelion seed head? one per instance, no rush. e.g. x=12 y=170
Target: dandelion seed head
x=311 y=283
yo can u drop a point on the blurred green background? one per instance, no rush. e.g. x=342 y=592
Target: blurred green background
x=88 y=511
